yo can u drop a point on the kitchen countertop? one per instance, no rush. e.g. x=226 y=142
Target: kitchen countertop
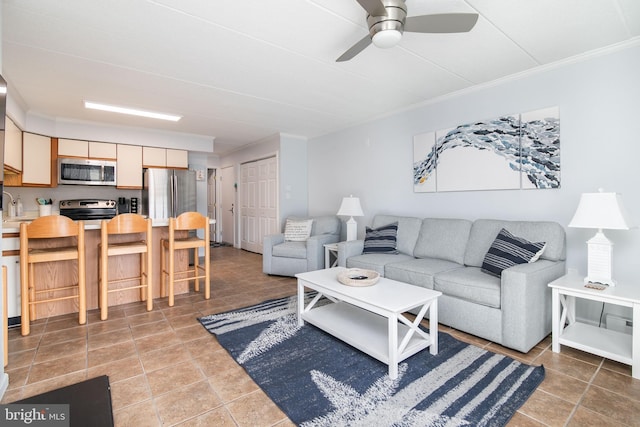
x=12 y=225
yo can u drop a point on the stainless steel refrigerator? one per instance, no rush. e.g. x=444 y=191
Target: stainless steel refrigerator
x=167 y=193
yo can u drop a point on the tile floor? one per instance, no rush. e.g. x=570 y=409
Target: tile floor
x=165 y=369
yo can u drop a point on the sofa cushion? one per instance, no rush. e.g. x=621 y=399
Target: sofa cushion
x=297 y=230
x=381 y=240
x=418 y=272
x=408 y=230
x=484 y=231
x=443 y=238
x=375 y=262
x=290 y=250
x=470 y=284
x=329 y=224
x=508 y=250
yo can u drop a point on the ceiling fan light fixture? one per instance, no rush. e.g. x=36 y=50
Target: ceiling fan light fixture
x=386 y=39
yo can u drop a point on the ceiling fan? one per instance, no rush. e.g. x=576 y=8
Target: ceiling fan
x=387 y=20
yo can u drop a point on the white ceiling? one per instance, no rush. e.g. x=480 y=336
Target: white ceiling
x=243 y=70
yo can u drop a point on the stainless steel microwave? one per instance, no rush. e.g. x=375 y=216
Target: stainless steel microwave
x=86 y=171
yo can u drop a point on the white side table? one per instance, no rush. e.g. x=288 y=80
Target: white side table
x=623 y=348
x=330 y=249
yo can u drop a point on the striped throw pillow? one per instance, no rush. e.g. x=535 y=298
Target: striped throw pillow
x=381 y=240
x=508 y=250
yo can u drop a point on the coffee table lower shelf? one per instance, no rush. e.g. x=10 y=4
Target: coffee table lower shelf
x=362 y=329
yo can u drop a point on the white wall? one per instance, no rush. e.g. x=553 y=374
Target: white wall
x=599 y=101
x=292 y=169
x=262 y=149
x=293 y=177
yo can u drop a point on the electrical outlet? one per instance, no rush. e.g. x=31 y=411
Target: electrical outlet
x=619 y=324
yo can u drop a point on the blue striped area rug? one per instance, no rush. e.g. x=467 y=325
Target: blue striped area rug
x=318 y=380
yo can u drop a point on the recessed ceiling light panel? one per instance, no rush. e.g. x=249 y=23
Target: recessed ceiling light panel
x=130 y=111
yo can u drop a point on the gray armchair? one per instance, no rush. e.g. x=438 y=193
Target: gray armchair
x=286 y=258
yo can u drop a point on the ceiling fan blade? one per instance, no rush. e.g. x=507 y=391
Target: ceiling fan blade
x=355 y=49
x=373 y=7
x=441 y=23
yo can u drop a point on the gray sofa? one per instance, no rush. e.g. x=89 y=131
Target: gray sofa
x=285 y=258
x=513 y=310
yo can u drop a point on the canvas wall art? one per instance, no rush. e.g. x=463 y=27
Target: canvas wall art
x=508 y=152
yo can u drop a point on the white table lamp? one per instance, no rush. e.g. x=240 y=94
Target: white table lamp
x=351 y=207
x=602 y=211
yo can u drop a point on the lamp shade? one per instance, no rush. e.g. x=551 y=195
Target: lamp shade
x=350 y=207
x=602 y=211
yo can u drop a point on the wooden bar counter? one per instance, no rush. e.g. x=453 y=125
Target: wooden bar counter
x=121 y=267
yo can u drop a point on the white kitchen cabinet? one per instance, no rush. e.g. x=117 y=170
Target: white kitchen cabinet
x=154 y=157
x=102 y=150
x=129 y=166
x=73 y=148
x=86 y=149
x=12 y=147
x=36 y=164
x=177 y=158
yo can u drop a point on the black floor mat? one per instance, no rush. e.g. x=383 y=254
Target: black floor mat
x=89 y=402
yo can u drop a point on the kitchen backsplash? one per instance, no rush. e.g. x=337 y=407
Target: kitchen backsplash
x=63 y=192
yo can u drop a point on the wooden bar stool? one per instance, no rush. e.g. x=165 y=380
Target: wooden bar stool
x=47 y=239
x=188 y=221
x=138 y=241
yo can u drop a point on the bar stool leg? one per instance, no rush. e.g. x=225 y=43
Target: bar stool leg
x=143 y=292
x=207 y=272
x=163 y=270
x=82 y=286
x=171 y=272
x=24 y=291
x=148 y=282
x=196 y=270
x=32 y=291
x=104 y=295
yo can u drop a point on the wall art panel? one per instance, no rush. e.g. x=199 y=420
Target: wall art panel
x=424 y=162
x=540 y=141
x=508 y=152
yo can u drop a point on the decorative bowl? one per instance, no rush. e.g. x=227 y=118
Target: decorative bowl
x=358 y=277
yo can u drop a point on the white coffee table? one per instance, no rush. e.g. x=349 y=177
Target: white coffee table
x=371 y=318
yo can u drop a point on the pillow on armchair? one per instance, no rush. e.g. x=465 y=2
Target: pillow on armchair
x=297 y=230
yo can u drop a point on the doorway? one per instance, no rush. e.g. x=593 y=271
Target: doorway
x=259 y=202
x=212 y=203
x=227 y=206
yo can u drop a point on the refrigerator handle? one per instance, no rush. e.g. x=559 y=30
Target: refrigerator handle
x=174 y=195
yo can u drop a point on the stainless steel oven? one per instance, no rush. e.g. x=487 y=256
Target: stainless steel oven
x=86 y=171
x=88 y=209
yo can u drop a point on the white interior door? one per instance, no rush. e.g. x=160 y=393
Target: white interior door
x=212 y=202
x=249 y=207
x=259 y=202
x=267 y=198
x=227 y=206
